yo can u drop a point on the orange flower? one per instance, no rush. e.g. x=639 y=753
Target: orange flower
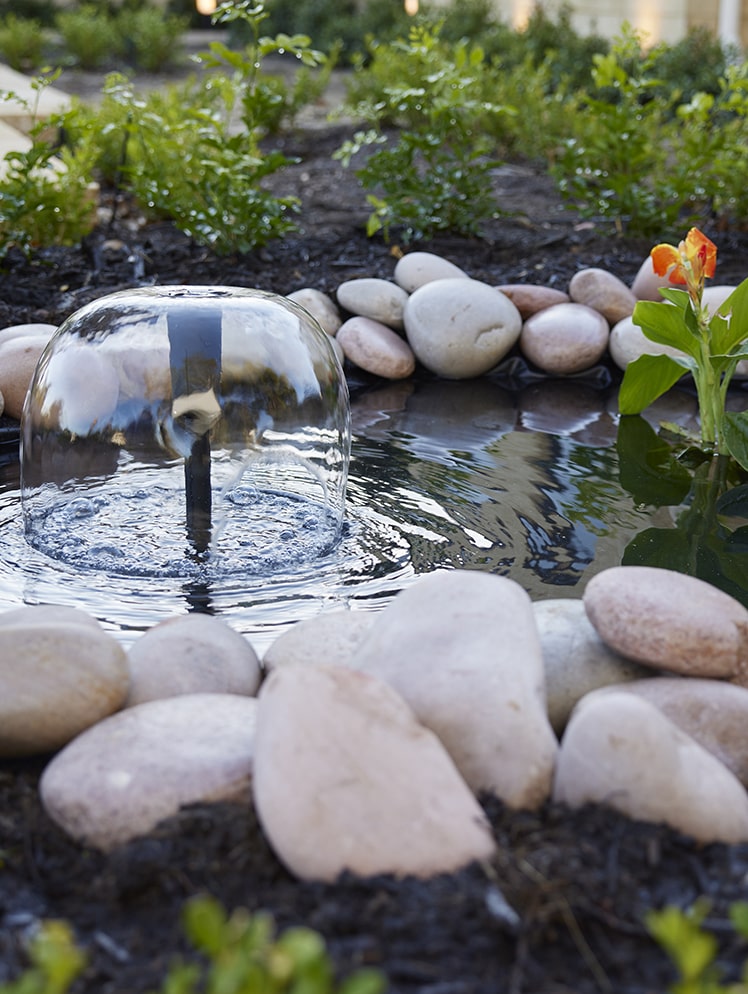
x=688 y=264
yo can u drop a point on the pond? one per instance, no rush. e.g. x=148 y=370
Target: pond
x=521 y=479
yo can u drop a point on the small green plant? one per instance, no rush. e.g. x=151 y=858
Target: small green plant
x=244 y=955
x=45 y=192
x=693 y=950
x=22 y=42
x=711 y=344
x=55 y=962
x=148 y=39
x=89 y=35
x=432 y=174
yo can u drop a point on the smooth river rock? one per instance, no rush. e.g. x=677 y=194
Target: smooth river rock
x=576 y=659
x=191 y=654
x=345 y=778
x=669 y=620
x=462 y=648
x=628 y=342
x=565 y=338
x=119 y=779
x=529 y=298
x=331 y=637
x=59 y=674
x=376 y=348
x=370 y=297
x=712 y=712
x=320 y=306
x=37 y=329
x=82 y=389
x=416 y=268
x=18 y=358
x=604 y=292
x=620 y=750
x=460 y=328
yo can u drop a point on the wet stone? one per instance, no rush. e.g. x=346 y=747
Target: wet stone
x=603 y=292
x=376 y=348
x=565 y=338
x=119 y=779
x=417 y=268
x=619 y=749
x=378 y=299
x=460 y=328
x=345 y=778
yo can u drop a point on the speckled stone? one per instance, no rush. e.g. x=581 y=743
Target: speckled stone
x=376 y=348
x=565 y=338
x=331 y=638
x=416 y=268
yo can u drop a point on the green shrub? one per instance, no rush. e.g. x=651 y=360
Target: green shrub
x=148 y=39
x=45 y=194
x=89 y=36
x=22 y=42
x=433 y=173
x=696 y=64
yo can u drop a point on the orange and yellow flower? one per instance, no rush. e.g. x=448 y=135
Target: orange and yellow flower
x=688 y=264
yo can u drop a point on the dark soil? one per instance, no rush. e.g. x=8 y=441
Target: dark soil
x=579 y=882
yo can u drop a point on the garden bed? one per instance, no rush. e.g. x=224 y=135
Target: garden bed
x=579 y=882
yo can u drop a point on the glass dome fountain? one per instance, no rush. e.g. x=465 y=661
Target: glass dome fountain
x=171 y=430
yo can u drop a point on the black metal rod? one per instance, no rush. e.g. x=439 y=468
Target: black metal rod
x=195 y=360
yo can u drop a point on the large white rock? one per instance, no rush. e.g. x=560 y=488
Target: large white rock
x=604 y=292
x=628 y=342
x=565 y=338
x=320 y=306
x=331 y=637
x=119 y=779
x=374 y=298
x=18 y=358
x=712 y=712
x=460 y=328
x=376 y=348
x=669 y=620
x=620 y=750
x=576 y=659
x=59 y=674
x=416 y=268
x=191 y=654
x=462 y=648
x=346 y=779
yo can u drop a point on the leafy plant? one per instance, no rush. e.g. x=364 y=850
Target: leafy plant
x=712 y=345
x=45 y=193
x=147 y=38
x=88 y=34
x=693 y=950
x=55 y=962
x=22 y=42
x=244 y=956
x=433 y=173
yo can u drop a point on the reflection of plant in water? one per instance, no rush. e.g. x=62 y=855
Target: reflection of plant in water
x=710 y=535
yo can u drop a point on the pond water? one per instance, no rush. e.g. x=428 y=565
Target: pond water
x=520 y=481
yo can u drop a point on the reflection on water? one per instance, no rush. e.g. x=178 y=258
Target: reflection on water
x=443 y=474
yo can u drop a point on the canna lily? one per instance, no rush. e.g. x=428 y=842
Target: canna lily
x=688 y=264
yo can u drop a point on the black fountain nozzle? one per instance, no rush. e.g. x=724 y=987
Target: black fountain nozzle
x=195 y=363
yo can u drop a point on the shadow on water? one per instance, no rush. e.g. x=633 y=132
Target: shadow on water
x=531 y=483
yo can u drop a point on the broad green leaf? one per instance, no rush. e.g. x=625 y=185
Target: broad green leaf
x=678 y=297
x=734 y=503
x=735 y=431
x=736 y=306
x=681 y=935
x=666 y=325
x=646 y=379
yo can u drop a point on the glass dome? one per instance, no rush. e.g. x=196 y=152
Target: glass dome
x=171 y=427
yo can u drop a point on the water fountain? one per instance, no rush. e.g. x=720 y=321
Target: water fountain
x=186 y=432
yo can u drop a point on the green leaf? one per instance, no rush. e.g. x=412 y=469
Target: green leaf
x=665 y=325
x=739 y=917
x=678 y=297
x=735 y=432
x=682 y=937
x=646 y=379
x=736 y=306
x=647 y=468
x=734 y=503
